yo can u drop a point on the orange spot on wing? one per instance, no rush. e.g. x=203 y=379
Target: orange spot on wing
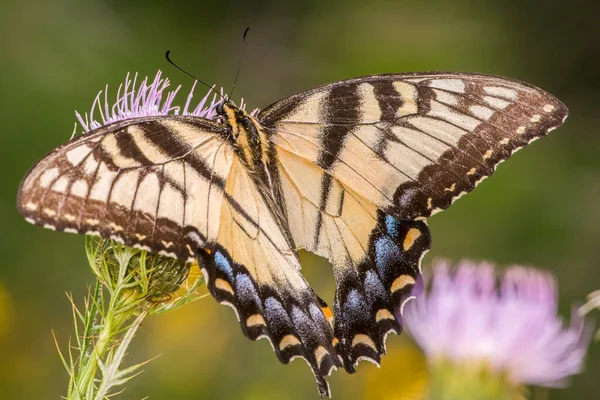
x=328 y=314
x=412 y=235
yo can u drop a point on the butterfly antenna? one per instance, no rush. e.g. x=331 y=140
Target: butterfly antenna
x=237 y=74
x=192 y=76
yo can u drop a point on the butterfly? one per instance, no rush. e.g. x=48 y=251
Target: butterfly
x=349 y=171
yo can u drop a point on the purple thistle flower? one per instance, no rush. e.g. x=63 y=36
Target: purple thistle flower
x=511 y=327
x=147 y=99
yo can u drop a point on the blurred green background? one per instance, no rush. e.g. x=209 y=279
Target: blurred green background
x=540 y=208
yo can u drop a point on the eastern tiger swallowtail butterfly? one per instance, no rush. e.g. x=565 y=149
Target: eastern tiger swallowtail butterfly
x=349 y=171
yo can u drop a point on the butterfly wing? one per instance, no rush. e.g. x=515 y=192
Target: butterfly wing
x=387 y=152
x=413 y=143
x=253 y=269
x=153 y=183
x=171 y=185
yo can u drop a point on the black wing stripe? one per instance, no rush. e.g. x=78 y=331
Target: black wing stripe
x=176 y=149
x=333 y=137
x=388 y=99
x=210 y=187
x=341 y=103
x=129 y=148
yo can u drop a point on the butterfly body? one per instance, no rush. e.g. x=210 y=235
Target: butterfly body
x=349 y=171
x=248 y=137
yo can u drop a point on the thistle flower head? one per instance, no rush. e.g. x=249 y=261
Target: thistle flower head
x=510 y=325
x=148 y=98
x=149 y=280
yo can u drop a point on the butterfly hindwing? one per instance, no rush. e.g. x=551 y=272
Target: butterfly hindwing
x=253 y=269
x=370 y=296
x=289 y=316
x=375 y=256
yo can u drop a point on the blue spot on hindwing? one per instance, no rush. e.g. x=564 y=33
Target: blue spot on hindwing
x=392 y=226
x=223 y=264
x=355 y=307
x=303 y=324
x=246 y=292
x=316 y=314
x=374 y=287
x=277 y=317
x=387 y=254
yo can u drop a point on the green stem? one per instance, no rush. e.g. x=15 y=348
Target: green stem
x=112 y=323
x=89 y=370
x=130 y=286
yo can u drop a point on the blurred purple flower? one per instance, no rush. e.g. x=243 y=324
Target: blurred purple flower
x=510 y=326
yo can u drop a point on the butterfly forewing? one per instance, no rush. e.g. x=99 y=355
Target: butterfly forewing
x=155 y=183
x=413 y=143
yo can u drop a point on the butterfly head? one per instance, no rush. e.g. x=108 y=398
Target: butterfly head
x=229 y=113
